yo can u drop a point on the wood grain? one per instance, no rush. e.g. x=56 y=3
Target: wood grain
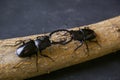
x=14 y=68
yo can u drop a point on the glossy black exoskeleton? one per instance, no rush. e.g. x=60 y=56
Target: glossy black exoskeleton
x=27 y=49
x=81 y=35
x=32 y=47
x=42 y=42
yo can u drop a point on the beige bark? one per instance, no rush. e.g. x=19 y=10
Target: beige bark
x=12 y=67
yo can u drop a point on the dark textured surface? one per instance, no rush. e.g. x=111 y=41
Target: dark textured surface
x=26 y=17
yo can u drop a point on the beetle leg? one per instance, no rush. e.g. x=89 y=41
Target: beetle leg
x=44 y=55
x=86 y=46
x=84 y=40
x=78 y=46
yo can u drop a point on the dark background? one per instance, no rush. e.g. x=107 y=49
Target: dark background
x=27 y=17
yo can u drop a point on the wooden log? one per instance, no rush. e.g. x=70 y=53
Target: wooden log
x=13 y=67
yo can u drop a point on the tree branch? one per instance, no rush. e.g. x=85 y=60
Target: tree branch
x=14 y=67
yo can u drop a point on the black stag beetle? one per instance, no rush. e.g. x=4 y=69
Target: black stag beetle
x=82 y=35
x=33 y=47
